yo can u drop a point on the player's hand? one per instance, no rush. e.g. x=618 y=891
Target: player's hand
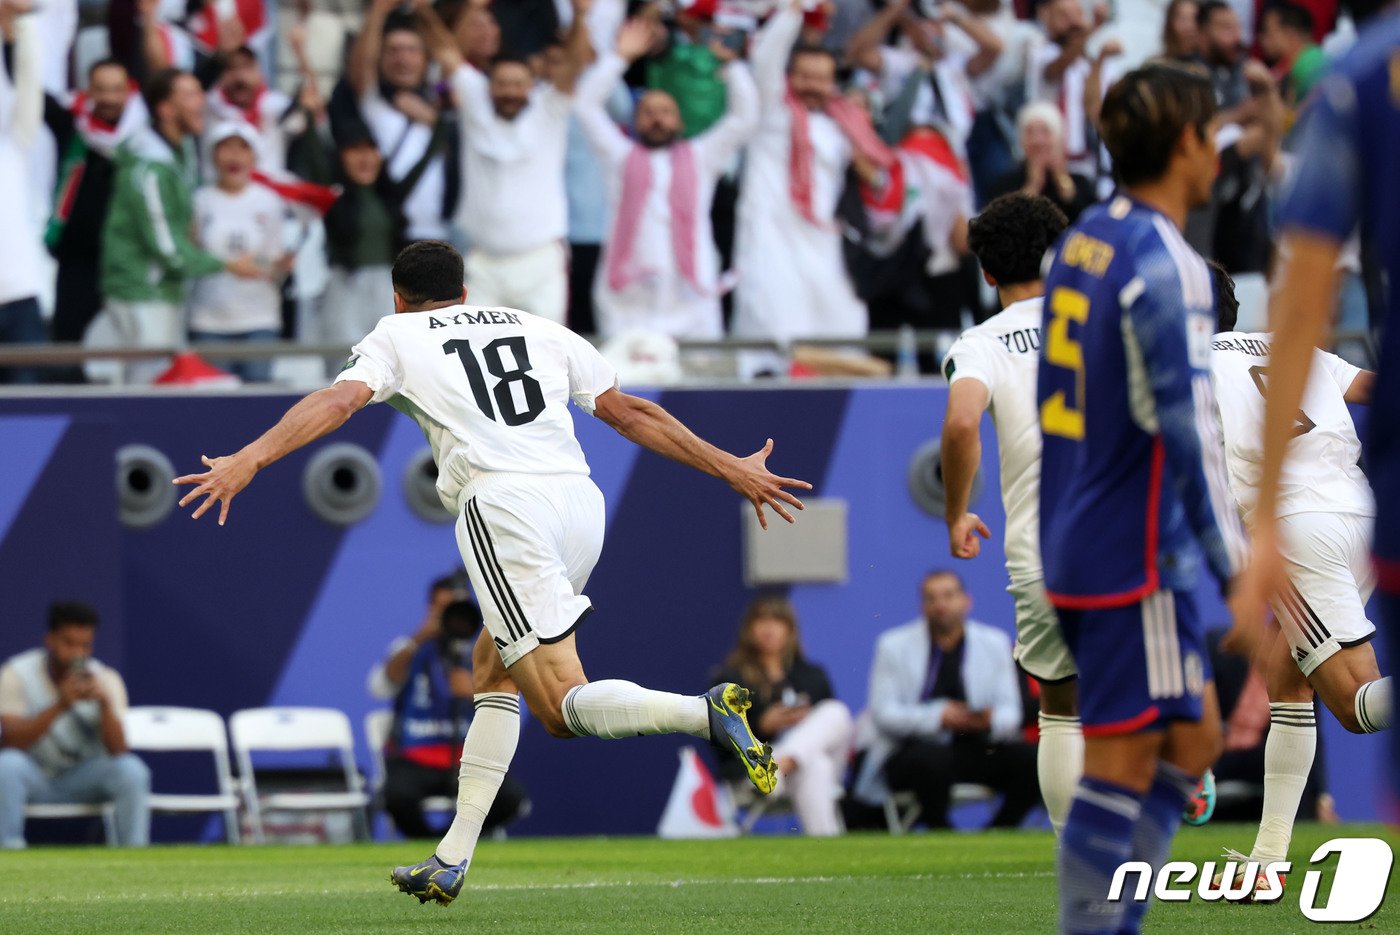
x=963 y=533
x=751 y=478
x=225 y=478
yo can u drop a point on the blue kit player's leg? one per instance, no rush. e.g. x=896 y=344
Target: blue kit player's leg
x=1151 y=728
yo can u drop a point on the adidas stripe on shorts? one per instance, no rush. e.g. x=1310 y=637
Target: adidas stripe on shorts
x=1328 y=557
x=529 y=542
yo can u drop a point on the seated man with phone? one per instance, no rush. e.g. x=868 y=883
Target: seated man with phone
x=61 y=737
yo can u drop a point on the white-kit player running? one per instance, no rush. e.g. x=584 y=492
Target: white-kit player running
x=994 y=366
x=1325 y=515
x=490 y=388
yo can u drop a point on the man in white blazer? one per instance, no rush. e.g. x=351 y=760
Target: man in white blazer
x=945 y=707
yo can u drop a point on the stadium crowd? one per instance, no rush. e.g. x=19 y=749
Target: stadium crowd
x=238 y=171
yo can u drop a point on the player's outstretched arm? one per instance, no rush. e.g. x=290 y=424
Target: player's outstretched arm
x=647 y=424
x=961 y=452
x=313 y=417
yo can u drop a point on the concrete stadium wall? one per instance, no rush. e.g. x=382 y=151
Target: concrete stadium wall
x=280 y=607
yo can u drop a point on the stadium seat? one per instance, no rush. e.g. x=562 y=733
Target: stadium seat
x=377 y=726
x=294 y=729
x=104 y=810
x=164 y=730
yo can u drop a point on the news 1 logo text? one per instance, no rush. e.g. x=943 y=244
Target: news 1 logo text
x=1358 y=883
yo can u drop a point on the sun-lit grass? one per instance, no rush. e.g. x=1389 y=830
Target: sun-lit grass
x=926 y=883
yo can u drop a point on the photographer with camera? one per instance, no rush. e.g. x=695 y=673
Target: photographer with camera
x=428 y=676
x=61 y=737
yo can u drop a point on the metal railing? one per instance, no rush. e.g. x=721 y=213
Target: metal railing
x=878 y=342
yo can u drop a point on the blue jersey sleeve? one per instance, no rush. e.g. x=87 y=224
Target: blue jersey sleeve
x=1325 y=197
x=1167 y=335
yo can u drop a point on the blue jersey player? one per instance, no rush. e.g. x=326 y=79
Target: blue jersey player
x=1133 y=488
x=1347 y=178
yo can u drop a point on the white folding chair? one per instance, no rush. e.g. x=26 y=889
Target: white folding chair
x=291 y=729
x=378 y=724
x=165 y=730
x=902 y=809
x=104 y=810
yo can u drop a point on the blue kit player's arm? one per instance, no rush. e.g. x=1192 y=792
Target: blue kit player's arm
x=1168 y=342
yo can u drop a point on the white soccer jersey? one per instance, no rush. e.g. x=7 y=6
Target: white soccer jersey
x=1003 y=354
x=1322 y=472
x=490 y=387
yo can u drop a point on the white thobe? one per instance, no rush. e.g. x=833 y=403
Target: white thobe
x=659 y=299
x=792 y=274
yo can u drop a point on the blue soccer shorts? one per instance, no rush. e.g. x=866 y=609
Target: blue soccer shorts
x=1141 y=665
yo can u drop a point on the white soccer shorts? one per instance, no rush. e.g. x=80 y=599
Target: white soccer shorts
x=1040 y=647
x=1328 y=557
x=529 y=543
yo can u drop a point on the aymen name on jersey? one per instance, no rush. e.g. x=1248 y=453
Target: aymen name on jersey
x=482 y=316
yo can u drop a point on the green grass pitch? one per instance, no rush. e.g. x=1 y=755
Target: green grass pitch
x=995 y=882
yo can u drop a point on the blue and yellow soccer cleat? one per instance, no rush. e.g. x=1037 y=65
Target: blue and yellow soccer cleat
x=729 y=730
x=431 y=879
x=1201 y=806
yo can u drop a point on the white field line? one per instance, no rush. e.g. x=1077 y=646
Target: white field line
x=467 y=891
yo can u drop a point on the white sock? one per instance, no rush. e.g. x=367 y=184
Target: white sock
x=1288 y=758
x=1059 y=762
x=1373 y=705
x=612 y=709
x=490 y=746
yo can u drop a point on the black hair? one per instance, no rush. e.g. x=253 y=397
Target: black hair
x=445 y=583
x=1145 y=113
x=509 y=58
x=1207 y=9
x=1227 y=305
x=1291 y=16
x=71 y=613
x=1012 y=234
x=945 y=573
x=159 y=87
x=461 y=619
x=108 y=62
x=399 y=21
x=807 y=48
x=244 y=51
x=428 y=271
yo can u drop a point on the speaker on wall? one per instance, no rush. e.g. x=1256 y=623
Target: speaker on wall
x=342 y=483
x=145 y=495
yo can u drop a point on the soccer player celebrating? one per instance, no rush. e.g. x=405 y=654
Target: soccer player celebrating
x=993 y=366
x=1132 y=477
x=1324 y=516
x=1346 y=176
x=490 y=388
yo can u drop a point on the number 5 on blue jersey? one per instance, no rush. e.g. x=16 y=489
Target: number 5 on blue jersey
x=1057 y=416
